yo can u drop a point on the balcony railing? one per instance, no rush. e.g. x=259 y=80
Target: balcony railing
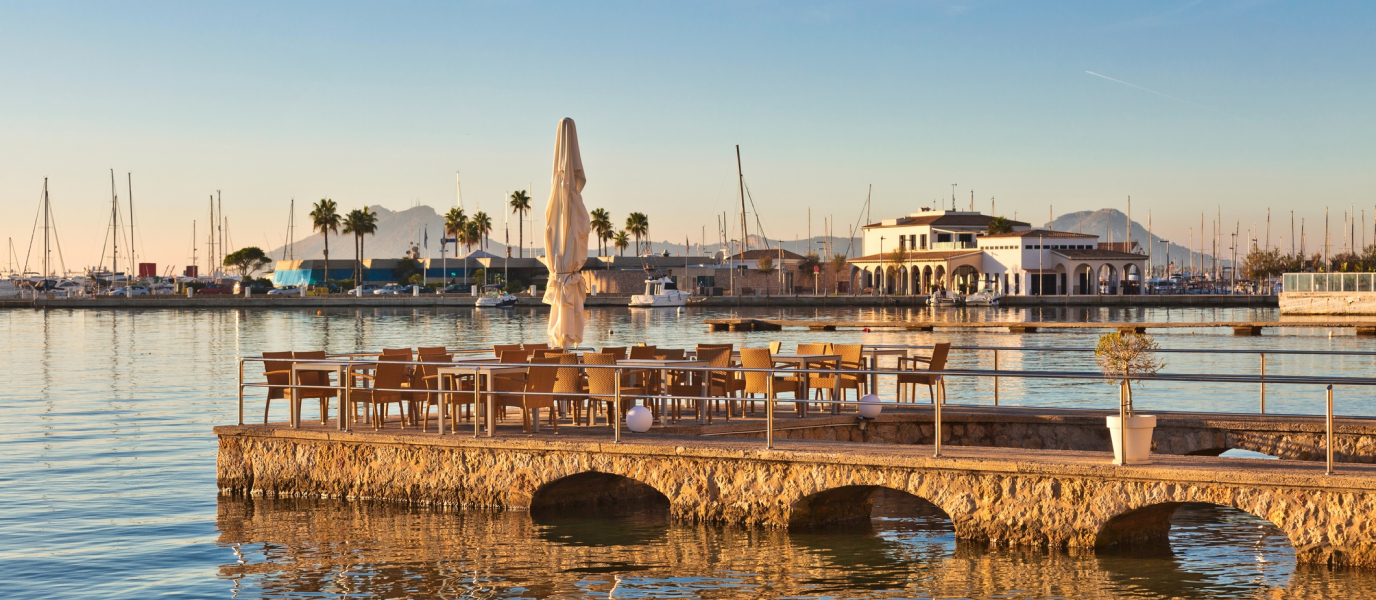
x=1328 y=282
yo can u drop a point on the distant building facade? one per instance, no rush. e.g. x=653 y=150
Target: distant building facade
x=936 y=250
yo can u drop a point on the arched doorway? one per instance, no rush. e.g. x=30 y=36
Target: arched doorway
x=965 y=279
x=1108 y=279
x=1084 y=279
x=1132 y=279
x=927 y=279
x=939 y=278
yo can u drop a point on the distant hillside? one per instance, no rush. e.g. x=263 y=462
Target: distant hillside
x=1101 y=221
x=396 y=232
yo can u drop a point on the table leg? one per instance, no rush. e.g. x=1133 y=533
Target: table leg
x=491 y=411
x=343 y=397
x=291 y=400
x=442 y=400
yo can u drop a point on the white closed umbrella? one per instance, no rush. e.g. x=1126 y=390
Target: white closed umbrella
x=566 y=240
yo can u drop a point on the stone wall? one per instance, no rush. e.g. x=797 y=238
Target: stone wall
x=1073 y=500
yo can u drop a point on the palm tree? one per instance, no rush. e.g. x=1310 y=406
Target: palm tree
x=453 y=224
x=353 y=225
x=484 y=225
x=1000 y=225
x=520 y=204
x=621 y=241
x=366 y=228
x=602 y=225
x=638 y=225
x=325 y=218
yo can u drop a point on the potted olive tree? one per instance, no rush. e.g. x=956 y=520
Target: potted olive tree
x=1127 y=357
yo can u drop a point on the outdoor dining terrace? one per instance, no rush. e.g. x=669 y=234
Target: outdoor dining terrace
x=822 y=391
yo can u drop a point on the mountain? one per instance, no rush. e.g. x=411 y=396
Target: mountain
x=397 y=231
x=1111 y=225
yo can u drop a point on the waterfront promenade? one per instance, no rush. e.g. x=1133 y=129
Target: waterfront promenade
x=1046 y=498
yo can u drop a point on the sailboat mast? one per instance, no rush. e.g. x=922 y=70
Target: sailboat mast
x=740 y=178
x=129 y=186
x=46 y=250
x=114 y=228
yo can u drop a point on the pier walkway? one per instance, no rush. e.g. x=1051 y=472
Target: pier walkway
x=1048 y=498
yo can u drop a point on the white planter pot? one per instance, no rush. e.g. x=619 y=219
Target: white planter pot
x=1139 y=438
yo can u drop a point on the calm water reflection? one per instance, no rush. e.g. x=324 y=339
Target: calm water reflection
x=107 y=469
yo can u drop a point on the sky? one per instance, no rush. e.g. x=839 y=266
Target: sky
x=1186 y=106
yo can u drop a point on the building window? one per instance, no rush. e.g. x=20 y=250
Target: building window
x=943 y=238
x=924 y=241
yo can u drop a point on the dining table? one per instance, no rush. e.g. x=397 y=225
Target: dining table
x=338 y=368
x=804 y=362
x=664 y=366
x=483 y=369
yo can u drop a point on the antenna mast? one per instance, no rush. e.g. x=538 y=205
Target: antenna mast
x=133 y=264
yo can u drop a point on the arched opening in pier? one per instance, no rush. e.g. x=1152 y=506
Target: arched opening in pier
x=860 y=503
x=594 y=492
x=1188 y=549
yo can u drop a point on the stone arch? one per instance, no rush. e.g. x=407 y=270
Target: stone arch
x=1082 y=277
x=588 y=491
x=890 y=277
x=964 y=279
x=1108 y=279
x=1150 y=523
x=926 y=280
x=903 y=281
x=1132 y=279
x=939 y=277
x=849 y=503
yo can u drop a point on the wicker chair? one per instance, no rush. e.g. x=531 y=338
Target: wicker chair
x=852 y=358
x=389 y=377
x=911 y=376
x=760 y=382
x=540 y=380
x=277 y=370
x=602 y=384
x=619 y=353
x=397 y=352
x=319 y=379
x=426 y=377
x=570 y=380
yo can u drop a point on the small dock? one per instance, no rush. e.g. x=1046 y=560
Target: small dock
x=1363 y=328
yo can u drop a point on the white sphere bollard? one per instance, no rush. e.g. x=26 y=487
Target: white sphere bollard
x=639 y=419
x=870 y=411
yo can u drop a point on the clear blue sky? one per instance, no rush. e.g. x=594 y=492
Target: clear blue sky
x=1246 y=105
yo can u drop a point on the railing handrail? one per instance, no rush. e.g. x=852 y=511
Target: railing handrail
x=1162 y=350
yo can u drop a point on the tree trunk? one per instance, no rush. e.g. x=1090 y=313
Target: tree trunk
x=520 y=235
x=326 y=278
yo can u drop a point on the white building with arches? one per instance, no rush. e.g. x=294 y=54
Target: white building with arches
x=952 y=250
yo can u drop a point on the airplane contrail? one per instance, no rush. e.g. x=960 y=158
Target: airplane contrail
x=1162 y=95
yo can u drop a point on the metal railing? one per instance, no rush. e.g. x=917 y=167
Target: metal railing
x=353 y=362
x=1259 y=353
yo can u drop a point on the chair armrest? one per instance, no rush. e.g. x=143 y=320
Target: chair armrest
x=362 y=375
x=277 y=372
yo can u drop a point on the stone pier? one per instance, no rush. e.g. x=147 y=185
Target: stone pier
x=1041 y=498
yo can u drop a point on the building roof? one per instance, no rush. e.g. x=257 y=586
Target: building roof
x=771 y=253
x=929 y=255
x=947 y=220
x=1041 y=233
x=1099 y=255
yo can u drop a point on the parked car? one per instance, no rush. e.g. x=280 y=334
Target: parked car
x=387 y=290
x=214 y=289
x=284 y=291
x=324 y=289
x=455 y=289
x=124 y=291
x=367 y=288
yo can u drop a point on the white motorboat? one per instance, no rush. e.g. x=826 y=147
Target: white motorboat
x=495 y=299
x=986 y=296
x=660 y=292
x=945 y=298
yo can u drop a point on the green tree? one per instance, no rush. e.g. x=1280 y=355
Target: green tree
x=246 y=261
x=325 y=219
x=406 y=269
x=602 y=226
x=638 y=225
x=765 y=265
x=621 y=241
x=520 y=204
x=810 y=263
x=1000 y=225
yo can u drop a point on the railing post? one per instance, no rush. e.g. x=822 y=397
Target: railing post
x=936 y=415
x=616 y=418
x=241 y=390
x=477 y=418
x=1263 y=384
x=1122 y=423
x=996 y=377
x=1330 y=431
x=769 y=412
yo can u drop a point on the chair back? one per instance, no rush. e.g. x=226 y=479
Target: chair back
x=513 y=356
x=775 y=347
x=277 y=372
x=391 y=373
x=669 y=354
x=852 y=355
x=540 y=380
x=939 y=352
x=812 y=348
x=434 y=350
x=397 y=352
x=498 y=349
x=642 y=352
x=570 y=378
x=601 y=382
x=619 y=353
x=757 y=358
x=534 y=346
x=313 y=378
x=543 y=352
